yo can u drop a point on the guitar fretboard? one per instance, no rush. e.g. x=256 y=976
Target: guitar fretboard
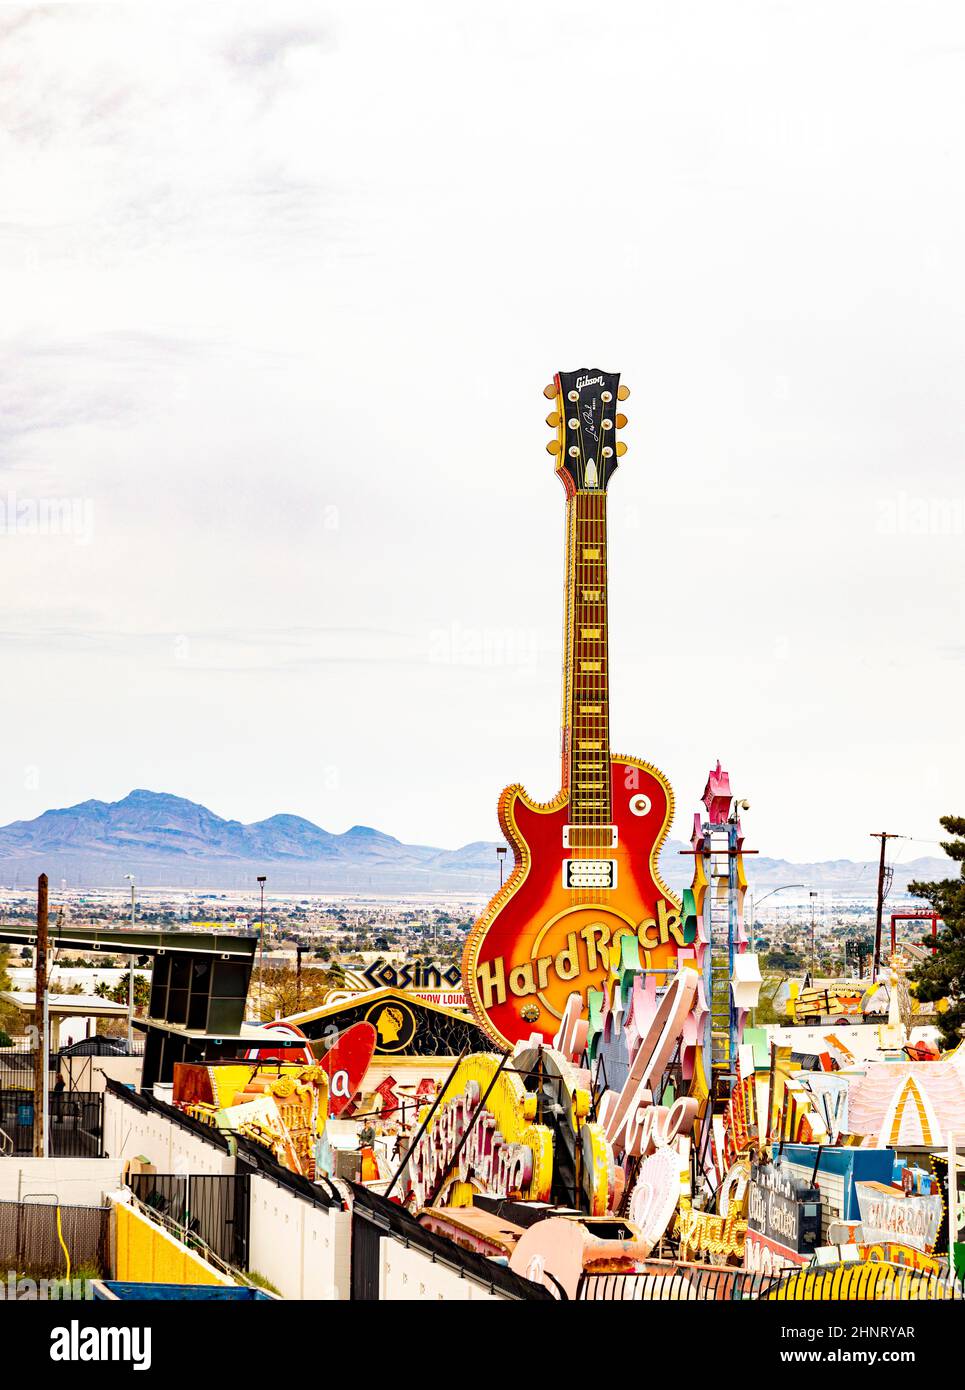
x=586 y=730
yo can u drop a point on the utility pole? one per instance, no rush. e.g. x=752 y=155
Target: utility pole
x=884 y=836
x=40 y=1023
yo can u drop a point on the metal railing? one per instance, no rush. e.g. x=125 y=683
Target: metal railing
x=210 y=1208
x=672 y=1281
x=190 y=1239
x=18 y=1060
x=17 y=1063
x=76 y=1123
x=878 y=1281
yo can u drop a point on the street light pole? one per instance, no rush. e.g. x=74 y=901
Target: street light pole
x=756 y=902
x=501 y=856
x=130 y=979
x=783 y=888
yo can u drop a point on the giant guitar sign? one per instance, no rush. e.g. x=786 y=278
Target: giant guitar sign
x=585 y=871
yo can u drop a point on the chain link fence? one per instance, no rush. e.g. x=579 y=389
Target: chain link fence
x=31 y=1246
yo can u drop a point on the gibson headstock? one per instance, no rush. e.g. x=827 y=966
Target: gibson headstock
x=586 y=421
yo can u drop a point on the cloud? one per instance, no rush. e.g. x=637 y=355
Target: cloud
x=271 y=47
x=281 y=290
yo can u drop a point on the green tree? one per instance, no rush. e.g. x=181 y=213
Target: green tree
x=942 y=975
x=783 y=958
x=767 y=1010
x=275 y=993
x=8 y=1012
x=118 y=992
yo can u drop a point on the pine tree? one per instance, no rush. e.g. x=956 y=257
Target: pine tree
x=942 y=975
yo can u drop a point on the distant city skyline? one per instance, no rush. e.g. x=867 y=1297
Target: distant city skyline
x=278 y=532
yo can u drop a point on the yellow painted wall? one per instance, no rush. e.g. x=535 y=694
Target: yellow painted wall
x=148 y=1255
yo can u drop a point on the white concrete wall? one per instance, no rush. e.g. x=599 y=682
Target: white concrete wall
x=90 y=1073
x=408 y=1274
x=129 y=1133
x=73 y=1181
x=305 y=1251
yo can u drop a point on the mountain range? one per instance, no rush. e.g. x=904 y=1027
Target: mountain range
x=172 y=842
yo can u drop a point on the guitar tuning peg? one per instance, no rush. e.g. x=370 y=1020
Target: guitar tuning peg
x=553 y=419
x=621 y=421
x=554 y=446
x=550 y=391
x=621 y=449
x=623 y=392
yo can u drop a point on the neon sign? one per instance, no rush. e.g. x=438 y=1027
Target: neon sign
x=494 y=1149
x=887 y=1215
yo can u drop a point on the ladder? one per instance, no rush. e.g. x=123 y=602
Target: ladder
x=722 y=922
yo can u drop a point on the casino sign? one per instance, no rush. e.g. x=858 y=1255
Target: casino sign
x=421 y=979
x=417 y=975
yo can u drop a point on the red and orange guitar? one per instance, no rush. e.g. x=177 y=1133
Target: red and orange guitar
x=585 y=870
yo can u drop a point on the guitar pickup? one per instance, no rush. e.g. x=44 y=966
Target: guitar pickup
x=590 y=837
x=589 y=873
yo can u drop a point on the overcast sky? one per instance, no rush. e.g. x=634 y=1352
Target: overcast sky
x=281 y=287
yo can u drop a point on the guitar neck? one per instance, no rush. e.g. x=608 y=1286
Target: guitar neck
x=586 y=696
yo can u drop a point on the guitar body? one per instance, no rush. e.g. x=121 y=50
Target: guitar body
x=517 y=979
